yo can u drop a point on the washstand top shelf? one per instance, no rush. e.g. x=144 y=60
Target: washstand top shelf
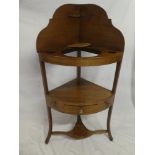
x=78 y=27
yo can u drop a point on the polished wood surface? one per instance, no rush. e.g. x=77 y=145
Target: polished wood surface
x=79 y=45
x=80 y=97
x=85 y=23
x=84 y=27
x=61 y=59
x=79 y=28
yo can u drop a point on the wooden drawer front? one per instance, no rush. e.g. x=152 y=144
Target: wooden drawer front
x=81 y=110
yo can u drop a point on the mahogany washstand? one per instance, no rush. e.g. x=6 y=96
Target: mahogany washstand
x=84 y=27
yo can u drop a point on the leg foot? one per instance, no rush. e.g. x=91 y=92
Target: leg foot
x=48 y=138
x=110 y=136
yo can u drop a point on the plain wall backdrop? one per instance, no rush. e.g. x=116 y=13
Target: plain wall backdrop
x=34 y=16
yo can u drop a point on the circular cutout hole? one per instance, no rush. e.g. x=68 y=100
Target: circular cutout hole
x=83 y=54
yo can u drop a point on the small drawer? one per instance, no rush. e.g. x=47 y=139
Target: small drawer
x=80 y=109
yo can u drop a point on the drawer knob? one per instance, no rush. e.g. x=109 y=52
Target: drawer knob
x=81 y=111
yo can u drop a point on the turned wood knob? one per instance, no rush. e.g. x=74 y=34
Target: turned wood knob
x=81 y=111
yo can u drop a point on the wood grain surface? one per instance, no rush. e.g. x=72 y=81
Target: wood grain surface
x=80 y=97
x=80 y=27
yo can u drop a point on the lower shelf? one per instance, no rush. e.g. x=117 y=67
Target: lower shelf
x=79 y=131
x=80 y=96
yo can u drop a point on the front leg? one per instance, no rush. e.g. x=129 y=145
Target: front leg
x=108 y=123
x=50 y=125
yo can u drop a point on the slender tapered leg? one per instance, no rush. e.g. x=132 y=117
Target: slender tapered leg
x=50 y=125
x=117 y=71
x=108 y=123
x=44 y=78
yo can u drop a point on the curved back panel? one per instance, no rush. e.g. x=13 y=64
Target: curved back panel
x=74 y=23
